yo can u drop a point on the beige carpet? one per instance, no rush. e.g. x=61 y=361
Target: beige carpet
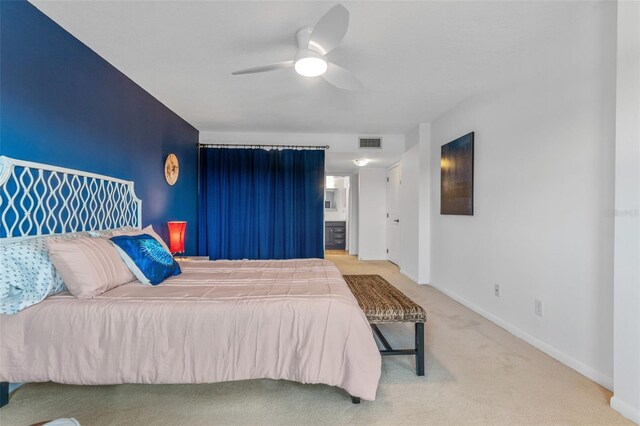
x=476 y=373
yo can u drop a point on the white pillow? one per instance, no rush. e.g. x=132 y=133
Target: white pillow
x=27 y=276
x=107 y=233
x=148 y=230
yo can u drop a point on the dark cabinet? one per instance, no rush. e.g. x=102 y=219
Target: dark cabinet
x=335 y=235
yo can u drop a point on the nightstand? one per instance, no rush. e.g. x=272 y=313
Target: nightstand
x=192 y=258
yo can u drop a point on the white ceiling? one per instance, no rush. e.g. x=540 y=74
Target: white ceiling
x=416 y=59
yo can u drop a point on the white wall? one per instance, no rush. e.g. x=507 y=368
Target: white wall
x=339 y=142
x=415 y=202
x=544 y=161
x=372 y=213
x=343 y=147
x=354 y=212
x=424 y=200
x=409 y=211
x=626 y=334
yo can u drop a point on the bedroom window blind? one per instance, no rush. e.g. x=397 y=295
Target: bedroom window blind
x=261 y=204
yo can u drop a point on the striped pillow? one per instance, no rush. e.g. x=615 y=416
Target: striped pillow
x=88 y=266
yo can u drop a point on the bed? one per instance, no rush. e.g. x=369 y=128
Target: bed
x=217 y=321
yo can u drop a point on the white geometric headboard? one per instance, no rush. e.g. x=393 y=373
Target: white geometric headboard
x=39 y=199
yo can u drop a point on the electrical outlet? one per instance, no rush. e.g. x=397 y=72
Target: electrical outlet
x=496 y=290
x=538 y=309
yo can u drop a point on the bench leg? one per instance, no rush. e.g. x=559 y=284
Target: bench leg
x=4 y=393
x=419 y=349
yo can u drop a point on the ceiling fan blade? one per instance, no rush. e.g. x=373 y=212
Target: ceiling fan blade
x=330 y=29
x=271 y=67
x=342 y=78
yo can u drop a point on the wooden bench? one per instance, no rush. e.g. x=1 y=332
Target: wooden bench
x=383 y=303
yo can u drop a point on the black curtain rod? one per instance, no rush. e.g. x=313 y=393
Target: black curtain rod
x=253 y=146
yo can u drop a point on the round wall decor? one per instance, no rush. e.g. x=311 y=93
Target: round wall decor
x=171 y=169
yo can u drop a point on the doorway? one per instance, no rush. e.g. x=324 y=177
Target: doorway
x=393 y=214
x=336 y=213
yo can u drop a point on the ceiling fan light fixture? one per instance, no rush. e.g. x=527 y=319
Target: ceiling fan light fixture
x=311 y=66
x=313 y=44
x=361 y=162
x=309 y=63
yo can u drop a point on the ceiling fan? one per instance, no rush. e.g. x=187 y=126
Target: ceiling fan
x=313 y=44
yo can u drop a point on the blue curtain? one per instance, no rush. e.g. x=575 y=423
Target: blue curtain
x=259 y=204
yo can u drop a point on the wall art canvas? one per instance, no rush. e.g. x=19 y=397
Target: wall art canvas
x=456 y=176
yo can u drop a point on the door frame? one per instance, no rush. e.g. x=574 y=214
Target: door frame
x=347 y=176
x=397 y=164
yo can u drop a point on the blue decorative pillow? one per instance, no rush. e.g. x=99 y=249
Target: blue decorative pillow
x=147 y=259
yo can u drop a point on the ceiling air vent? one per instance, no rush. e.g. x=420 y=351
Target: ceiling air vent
x=370 y=142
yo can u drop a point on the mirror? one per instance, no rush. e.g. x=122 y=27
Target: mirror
x=330 y=199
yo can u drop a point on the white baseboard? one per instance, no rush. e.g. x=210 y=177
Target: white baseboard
x=410 y=276
x=631 y=413
x=591 y=373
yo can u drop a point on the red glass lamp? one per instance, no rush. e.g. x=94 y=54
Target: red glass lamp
x=177 y=230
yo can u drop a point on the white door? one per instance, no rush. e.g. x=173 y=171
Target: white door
x=393 y=214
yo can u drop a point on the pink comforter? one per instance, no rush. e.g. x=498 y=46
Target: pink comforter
x=218 y=321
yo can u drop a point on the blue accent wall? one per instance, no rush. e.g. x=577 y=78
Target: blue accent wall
x=63 y=104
